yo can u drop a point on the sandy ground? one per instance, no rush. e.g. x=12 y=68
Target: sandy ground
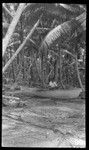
x=44 y=123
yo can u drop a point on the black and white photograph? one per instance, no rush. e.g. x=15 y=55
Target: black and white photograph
x=43 y=75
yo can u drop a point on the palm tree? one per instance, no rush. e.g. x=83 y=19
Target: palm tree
x=63 y=32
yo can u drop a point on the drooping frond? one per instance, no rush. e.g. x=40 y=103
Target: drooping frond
x=65 y=30
x=82 y=20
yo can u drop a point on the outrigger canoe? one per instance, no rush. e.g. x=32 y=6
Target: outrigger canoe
x=58 y=93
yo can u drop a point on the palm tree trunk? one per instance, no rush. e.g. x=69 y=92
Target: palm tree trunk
x=12 y=67
x=22 y=52
x=38 y=70
x=78 y=75
x=45 y=63
x=20 y=48
x=56 y=70
x=60 y=63
x=12 y=27
x=43 y=70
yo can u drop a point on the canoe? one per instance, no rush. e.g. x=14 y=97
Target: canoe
x=63 y=94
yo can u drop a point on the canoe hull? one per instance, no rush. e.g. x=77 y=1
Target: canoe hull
x=63 y=94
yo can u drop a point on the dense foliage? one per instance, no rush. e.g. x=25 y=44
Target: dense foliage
x=56 y=51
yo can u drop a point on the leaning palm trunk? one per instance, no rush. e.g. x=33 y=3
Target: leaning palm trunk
x=20 y=48
x=7 y=10
x=12 y=27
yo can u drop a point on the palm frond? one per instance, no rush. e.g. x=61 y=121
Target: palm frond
x=82 y=20
x=65 y=30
